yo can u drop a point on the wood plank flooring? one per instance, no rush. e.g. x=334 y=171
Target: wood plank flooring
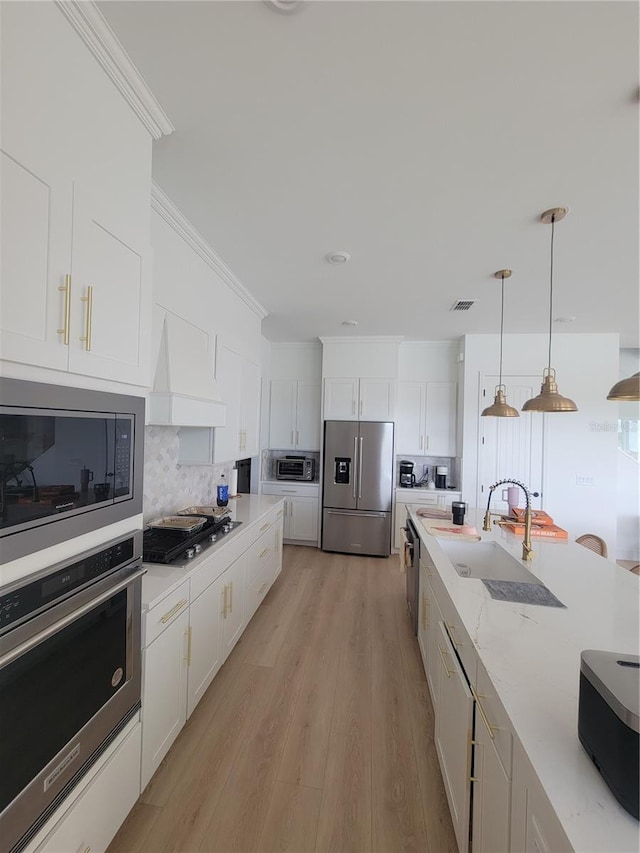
x=316 y=734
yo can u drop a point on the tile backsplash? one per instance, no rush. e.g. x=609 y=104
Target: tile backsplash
x=168 y=486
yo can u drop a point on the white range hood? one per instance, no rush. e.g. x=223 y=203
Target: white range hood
x=184 y=389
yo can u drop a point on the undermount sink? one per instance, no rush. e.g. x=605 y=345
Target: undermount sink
x=485 y=561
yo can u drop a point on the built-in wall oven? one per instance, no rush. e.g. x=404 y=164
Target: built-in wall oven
x=69 y=678
x=412 y=564
x=71 y=462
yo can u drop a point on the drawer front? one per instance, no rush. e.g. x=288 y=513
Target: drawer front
x=303 y=490
x=493 y=716
x=211 y=569
x=259 y=586
x=164 y=613
x=261 y=553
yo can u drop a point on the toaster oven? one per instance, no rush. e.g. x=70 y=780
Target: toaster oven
x=295 y=468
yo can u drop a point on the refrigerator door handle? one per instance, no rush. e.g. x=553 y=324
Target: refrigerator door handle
x=355 y=456
x=354 y=513
x=360 y=470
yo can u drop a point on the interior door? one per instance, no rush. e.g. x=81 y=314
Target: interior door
x=510 y=447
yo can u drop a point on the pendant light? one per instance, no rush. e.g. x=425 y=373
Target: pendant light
x=500 y=408
x=626 y=389
x=549 y=399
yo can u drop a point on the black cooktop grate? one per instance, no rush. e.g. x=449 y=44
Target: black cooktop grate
x=163 y=546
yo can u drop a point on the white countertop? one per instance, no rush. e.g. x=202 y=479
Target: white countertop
x=160 y=580
x=532 y=655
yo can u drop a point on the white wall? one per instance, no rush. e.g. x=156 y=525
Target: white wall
x=575 y=444
x=628 y=470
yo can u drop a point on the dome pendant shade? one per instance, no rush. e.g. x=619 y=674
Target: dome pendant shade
x=549 y=399
x=500 y=408
x=626 y=389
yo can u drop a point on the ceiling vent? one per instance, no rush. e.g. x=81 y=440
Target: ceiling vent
x=463 y=304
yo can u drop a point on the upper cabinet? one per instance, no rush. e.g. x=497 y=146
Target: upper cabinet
x=76 y=179
x=426 y=418
x=294 y=415
x=354 y=399
x=238 y=381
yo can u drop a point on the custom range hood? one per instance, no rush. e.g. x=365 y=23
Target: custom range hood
x=184 y=389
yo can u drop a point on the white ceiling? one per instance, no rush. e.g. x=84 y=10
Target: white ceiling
x=425 y=138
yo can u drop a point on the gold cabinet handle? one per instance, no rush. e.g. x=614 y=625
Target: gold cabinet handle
x=231 y=597
x=297 y=438
x=87 y=335
x=280 y=513
x=66 y=288
x=224 y=602
x=262 y=588
x=292 y=437
x=188 y=635
x=266 y=551
x=451 y=629
x=485 y=719
x=444 y=662
x=425 y=624
x=174 y=610
x=264 y=527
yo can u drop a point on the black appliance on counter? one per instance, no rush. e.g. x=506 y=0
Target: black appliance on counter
x=407 y=477
x=166 y=545
x=609 y=721
x=243 y=467
x=70 y=676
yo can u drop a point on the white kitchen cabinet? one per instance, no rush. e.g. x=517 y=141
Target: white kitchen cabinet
x=164 y=685
x=238 y=381
x=426 y=418
x=354 y=399
x=205 y=641
x=75 y=207
x=233 y=604
x=300 y=510
x=453 y=736
x=423 y=497
x=294 y=415
x=491 y=794
x=92 y=820
x=429 y=618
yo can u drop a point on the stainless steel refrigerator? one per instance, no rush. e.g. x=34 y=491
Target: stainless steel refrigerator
x=357 y=486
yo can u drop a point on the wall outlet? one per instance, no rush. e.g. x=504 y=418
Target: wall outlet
x=582 y=480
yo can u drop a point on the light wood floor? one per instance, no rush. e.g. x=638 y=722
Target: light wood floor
x=316 y=735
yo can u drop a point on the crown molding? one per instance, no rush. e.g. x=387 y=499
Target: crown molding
x=164 y=207
x=92 y=27
x=375 y=339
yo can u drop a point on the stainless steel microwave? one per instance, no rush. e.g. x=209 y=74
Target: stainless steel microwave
x=71 y=461
x=295 y=468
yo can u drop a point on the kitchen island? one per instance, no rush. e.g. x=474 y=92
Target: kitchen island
x=529 y=656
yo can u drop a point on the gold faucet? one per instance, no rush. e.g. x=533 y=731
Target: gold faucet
x=527 y=550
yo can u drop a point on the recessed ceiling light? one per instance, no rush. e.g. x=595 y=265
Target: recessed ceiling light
x=339 y=257
x=349 y=322
x=287 y=6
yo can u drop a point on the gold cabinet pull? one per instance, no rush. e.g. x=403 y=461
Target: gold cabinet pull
x=262 y=588
x=425 y=624
x=485 y=719
x=188 y=635
x=280 y=513
x=66 y=289
x=231 y=597
x=292 y=437
x=297 y=438
x=266 y=551
x=264 y=527
x=87 y=335
x=451 y=629
x=174 y=610
x=444 y=662
x=224 y=602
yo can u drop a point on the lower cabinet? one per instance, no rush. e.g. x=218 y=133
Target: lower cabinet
x=300 y=510
x=92 y=820
x=191 y=632
x=454 y=736
x=416 y=496
x=491 y=794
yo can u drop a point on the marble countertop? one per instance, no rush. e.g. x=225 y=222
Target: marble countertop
x=532 y=655
x=160 y=580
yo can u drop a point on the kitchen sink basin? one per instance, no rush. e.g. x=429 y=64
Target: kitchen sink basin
x=486 y=561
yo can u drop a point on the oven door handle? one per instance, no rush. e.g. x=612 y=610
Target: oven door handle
x=34 y=641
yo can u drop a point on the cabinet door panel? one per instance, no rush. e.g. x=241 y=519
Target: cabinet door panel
x=440 y=425
x=206 y=642
x=308 y=416
x=249 y=407
x=164 y=694
x=491 y=797
x=341 y=399
x=233 y=623
x=303 y=519
x=376 y=399
x=282 y=414
x=410 y=418
x=226 y=446
x=453 y=734
x=36 y=256
x=105 y=259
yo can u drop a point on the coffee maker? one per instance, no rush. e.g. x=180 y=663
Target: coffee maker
x=407 y=477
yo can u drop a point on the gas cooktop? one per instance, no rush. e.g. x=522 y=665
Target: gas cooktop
x=172 y=546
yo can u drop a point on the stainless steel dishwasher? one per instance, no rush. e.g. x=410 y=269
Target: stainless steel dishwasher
x=412 y=562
